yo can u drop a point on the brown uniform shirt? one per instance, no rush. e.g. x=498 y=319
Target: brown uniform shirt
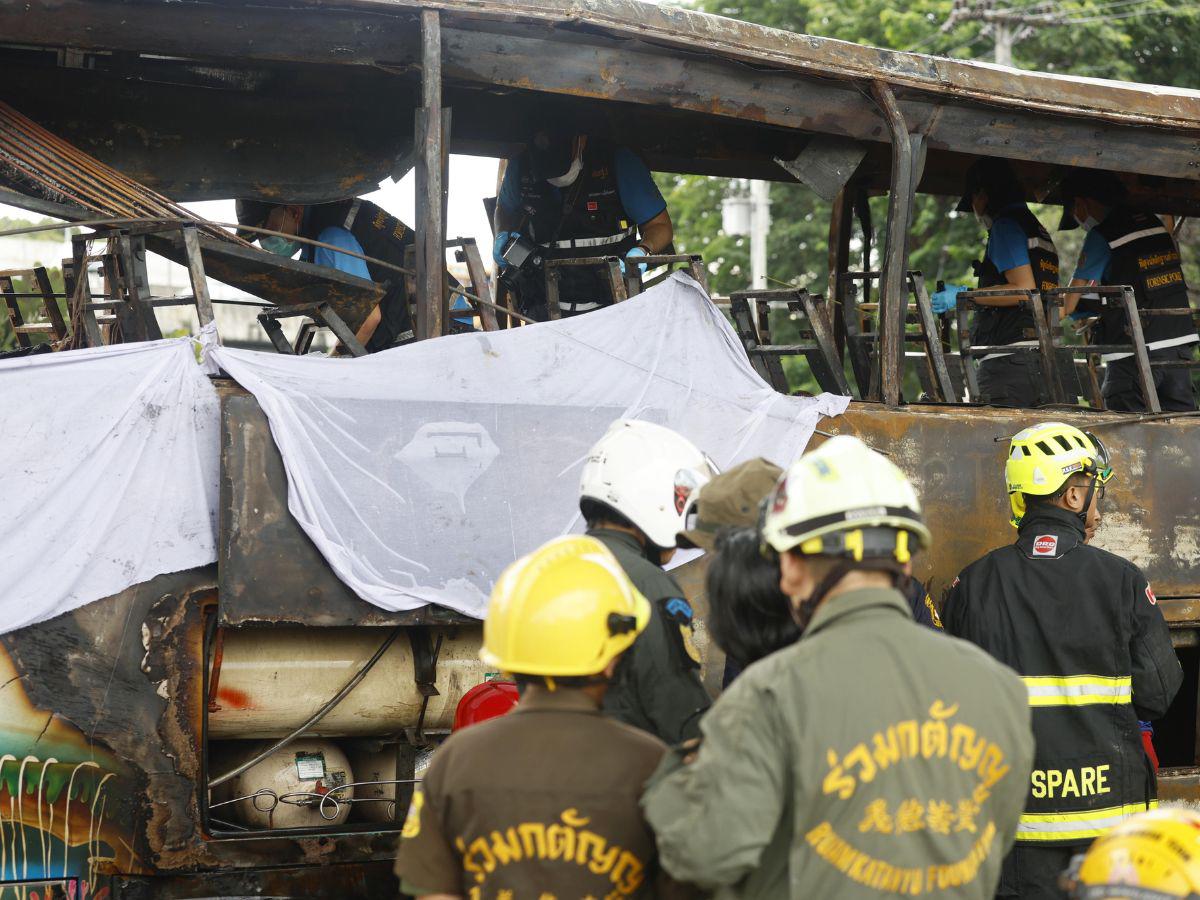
x=539 y=804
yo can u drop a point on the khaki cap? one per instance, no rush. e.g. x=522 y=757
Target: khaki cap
x=730 y=500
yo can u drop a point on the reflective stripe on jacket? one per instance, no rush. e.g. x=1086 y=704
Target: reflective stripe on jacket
x=1083 y=629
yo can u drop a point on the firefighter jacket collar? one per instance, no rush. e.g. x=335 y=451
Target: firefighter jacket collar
x=539 y=699
x=1050 y=533
x=620 y=537
x=842 y=605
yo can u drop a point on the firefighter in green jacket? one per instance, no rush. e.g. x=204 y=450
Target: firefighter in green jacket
x=638 y=484
x=874 y=756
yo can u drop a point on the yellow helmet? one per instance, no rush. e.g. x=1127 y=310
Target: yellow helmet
x=566 y=609
x=1151 y=856
x=845 y=499
x=1042 y=457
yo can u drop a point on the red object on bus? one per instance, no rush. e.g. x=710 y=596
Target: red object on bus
x=485 y=701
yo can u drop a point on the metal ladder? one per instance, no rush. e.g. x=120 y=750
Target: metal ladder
x=52 y=324
x=933 y=367
x=751 y=313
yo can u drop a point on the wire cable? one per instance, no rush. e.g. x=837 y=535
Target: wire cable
x=315 y=717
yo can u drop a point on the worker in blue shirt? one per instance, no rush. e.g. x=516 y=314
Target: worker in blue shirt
x=359 y=226
x=576 y=195
x=1127 y=246
x=1019 y=255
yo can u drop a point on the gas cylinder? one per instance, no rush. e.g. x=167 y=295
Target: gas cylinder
x=376 y=802
x=271 y=680
x=289 y=787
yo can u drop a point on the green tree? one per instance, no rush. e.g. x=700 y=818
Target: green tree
x=1144 y=40
x=31 y=308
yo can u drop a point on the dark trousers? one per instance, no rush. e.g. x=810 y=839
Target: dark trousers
x=1013 y=380
x=1031 y=873
x=1123 y=392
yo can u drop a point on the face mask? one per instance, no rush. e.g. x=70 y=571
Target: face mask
x=279 y=246
x=571 y=174
x=985 y=220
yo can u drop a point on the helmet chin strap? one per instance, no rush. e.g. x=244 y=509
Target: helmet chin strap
x=1087 y=501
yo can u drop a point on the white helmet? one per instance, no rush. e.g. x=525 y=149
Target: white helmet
x=649 y=474
x=845 y=499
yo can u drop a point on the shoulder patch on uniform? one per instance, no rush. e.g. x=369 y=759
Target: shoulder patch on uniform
x=681 y=627
x=1150 y=596
x=1045 y=545
x=678 y=609
x=412 y=822
x=933 y=613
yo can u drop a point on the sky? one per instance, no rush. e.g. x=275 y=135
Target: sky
x=471 y=179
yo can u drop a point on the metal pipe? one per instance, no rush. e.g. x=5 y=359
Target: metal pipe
x=892 y=284
x=315 y=717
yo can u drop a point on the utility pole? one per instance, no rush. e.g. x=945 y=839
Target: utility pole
x=760 y=228
x=747 y=211
x=1005 y=25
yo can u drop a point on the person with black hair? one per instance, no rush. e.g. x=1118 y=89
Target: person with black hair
x=635 y=492
x=359 y=226
x=1083 y=629
x=1019 y=254
x=1127 y=246
x=558 y=621
x=871 y=757
x=578 y=195
x=749 y=617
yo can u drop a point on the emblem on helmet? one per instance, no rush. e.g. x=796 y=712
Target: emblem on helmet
x=779 y=501
x=686 y=483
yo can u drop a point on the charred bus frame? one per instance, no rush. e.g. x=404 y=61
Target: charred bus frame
x=313 y=101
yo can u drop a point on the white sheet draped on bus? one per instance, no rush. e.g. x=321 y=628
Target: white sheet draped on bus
x=419 y=472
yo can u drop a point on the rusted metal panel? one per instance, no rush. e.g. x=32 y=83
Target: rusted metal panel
x=955 y=456
x=300 y=134
x=270 y=571
x=583 y=50
x=1179 y=785
x=328 y=882
x=363 y=31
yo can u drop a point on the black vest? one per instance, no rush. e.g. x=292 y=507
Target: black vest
x=1145 y=257
x=381 y=234
x=1009 y=324
x=584 y=219
x=384 y=237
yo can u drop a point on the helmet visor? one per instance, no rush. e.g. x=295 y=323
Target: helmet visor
x=1102 y=468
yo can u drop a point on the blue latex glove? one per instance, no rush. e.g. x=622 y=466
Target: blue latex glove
x=459 y=304
x=636 y=251
x=501 y=239
x=944 y=301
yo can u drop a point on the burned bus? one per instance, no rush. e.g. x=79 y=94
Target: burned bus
x=195 y=735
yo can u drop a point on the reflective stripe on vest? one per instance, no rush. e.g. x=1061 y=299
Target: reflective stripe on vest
x=352 y=214
x=1164 y=344
x=1036 y=243
x=1077 y=690
x=573 y=243
x=1136 y=236
x=1074 y=826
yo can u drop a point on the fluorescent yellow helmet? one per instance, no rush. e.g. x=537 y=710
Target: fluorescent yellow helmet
x=1042 y=457
x=845 y=499
x=1151 y=856
x=566 y=609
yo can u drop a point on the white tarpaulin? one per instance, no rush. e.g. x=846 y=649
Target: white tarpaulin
x=109 y=461
x=422 y=471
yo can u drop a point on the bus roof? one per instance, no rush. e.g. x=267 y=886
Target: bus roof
x=314 y=100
